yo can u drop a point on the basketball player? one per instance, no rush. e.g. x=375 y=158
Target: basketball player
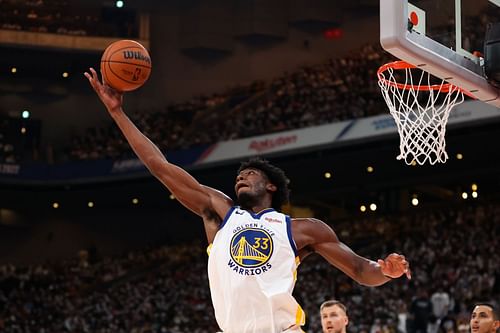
x=484 y=319
x=333 y=317
x=254 y=250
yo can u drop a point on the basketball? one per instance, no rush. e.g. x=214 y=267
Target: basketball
x=125 y=65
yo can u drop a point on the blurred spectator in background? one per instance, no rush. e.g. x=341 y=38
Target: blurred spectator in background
x=334 y=317
x=484 y=319
x=420 y=312
x=440 y=300
x=164 y=289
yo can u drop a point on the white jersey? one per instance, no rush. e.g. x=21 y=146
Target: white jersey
x=252 y=268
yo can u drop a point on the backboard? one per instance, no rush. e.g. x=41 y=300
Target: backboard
x=443 y=37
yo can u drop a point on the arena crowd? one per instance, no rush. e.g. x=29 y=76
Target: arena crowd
x=453 y=254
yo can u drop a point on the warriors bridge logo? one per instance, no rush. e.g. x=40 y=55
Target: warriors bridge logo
x=251 y=250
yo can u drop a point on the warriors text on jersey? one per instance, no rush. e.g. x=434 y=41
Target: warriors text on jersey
x=252 y=271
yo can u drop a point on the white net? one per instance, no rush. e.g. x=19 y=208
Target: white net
x=421 y=110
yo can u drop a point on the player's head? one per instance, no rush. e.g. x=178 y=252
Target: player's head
x=333 y=317
x=484 y=319
x=257 y=178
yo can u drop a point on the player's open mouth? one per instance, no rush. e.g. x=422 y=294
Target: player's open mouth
x=241 y=185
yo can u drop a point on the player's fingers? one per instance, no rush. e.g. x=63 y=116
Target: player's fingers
x=87 y=75
x=408 y=273
x=91 y=80
x=405 y=267
x=91 y=75
x=94 y=74
x=394 y=257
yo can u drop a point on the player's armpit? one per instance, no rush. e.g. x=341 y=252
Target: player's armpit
x=323 y=240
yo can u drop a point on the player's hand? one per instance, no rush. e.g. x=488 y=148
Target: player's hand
x=111 y=98
x=394 y=266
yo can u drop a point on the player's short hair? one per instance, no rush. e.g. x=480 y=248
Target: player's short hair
x=332 y=303
x=493 y=308
x=275 y=175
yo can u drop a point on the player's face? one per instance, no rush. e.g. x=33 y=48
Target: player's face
x=251 y=185
x=333 y=319
x=483 y=321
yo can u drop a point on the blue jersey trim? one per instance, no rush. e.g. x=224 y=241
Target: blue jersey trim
x=228 y=214
x=289 y=232
x=259 y=215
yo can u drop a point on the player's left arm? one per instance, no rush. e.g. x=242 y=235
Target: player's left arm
x=316 y=236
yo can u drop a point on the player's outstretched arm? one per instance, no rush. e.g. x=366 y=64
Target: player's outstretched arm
x=317 y=236
x=208 y=203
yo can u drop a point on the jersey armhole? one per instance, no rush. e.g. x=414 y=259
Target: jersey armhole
x=289 y=233
x=228 y=214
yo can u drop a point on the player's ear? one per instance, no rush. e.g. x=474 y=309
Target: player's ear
x=271 y=187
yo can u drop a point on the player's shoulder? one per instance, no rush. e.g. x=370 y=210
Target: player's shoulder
x=312 y=230
x=311 y=220
x=309 y=223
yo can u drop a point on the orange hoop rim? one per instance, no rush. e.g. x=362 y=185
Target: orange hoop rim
x=401 y=64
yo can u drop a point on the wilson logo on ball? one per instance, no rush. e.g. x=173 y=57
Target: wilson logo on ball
x=136 y=55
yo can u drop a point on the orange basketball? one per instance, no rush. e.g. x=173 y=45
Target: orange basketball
x=125 y=65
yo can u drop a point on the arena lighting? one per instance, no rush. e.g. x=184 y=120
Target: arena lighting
x=413 y=163
x=369 y=169
x=25 y=114
x=65 y=74
x=373 y=207
x=23 y=130
x=460 y=156
x=464 y=195
x=362 y=208
x=90 y=204
x=473 y=187
x=135 y=201
x=328 y=175
x=474 y=194
x=119 y=4
x=172 y=197
x=55 y=205
x=13 y=70
x=414 y=202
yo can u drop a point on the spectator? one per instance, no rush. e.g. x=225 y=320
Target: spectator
x=420 y=312
x=484 y=319
x=440 y=303
x=334 y=317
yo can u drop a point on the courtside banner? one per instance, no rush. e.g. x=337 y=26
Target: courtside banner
x=82 y=171
x=470 y=112
x=273 y=143
x=464 y=114
x=369 y=128
x=346 y=132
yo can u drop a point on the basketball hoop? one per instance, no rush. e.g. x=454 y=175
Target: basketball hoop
x=420 y=109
